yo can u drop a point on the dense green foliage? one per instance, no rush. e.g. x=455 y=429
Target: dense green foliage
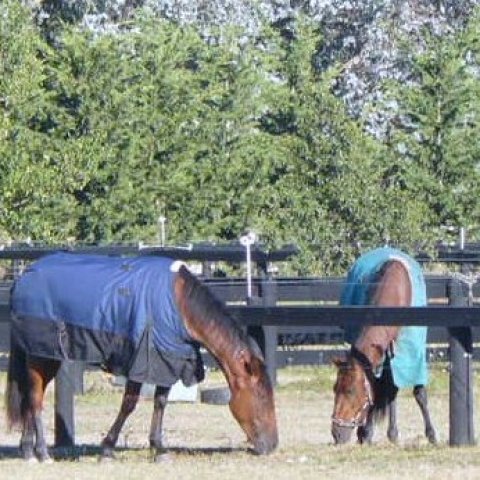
x=436 y=127
x=102 y=134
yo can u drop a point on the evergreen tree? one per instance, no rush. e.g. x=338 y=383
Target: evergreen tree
x=435 y=127
x=333 y=196
x=33 y=202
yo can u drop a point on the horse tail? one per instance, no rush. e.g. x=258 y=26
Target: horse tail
x=17 y=386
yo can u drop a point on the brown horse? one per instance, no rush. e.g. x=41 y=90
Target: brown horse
x=205 y=321
x=365 y=387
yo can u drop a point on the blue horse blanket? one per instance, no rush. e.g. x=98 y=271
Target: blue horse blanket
x=409 y=363
x=119 y=312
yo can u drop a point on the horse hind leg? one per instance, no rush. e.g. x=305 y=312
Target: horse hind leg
x=27 y=443
x=33 y=441
x=33 y=445
x=420 y=393
x=156 y=436
x=41 y=449
x=129 y=402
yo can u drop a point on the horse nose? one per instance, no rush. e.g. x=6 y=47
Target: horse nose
x=341 y=434
x=265 y=444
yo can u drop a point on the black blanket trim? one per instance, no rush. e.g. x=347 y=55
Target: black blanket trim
x=118 y=355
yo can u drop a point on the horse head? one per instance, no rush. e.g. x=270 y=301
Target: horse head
x=252 y=400
x=353 y=398
x=251 y=392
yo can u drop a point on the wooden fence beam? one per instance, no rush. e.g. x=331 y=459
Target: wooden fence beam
x=445 y=316
x=64 y=422
x=461 y=373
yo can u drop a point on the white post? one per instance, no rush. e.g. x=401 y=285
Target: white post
x=161 y=222
x=247 y=241
x=462 y=238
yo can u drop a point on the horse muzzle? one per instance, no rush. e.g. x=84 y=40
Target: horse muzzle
x=264 y=444
x=341 y=433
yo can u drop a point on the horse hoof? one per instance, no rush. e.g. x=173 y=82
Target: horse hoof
x=392 y=436
x=43 y=456
x=365 y=441
x=364 y=436
x=106 y=458
x=107 y=454
x=31 y=459
x=163 y=458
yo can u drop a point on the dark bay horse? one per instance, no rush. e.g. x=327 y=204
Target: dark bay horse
x=134 y=335
x=382 y=359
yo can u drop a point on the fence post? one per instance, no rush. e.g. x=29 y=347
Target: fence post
x=270 y=332
x=461 y=376
x=64 y=415
x=266 y=336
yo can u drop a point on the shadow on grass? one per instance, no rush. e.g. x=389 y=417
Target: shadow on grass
x=82 y=451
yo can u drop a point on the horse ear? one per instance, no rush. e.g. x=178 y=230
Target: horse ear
x=380 y=350
x=250 y=362
x=338 y=361
x=255 y=367
x=252 y=343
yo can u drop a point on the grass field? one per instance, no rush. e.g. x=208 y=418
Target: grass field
x=206 y=442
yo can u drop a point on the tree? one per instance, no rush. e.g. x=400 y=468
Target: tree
x=435 y=126
x=130 y=108
x=332 y=195
x=32 y=191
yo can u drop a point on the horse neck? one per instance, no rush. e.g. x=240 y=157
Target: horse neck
x=375 y=341
x=208 y=323
x=393 y=288
x=224 y=343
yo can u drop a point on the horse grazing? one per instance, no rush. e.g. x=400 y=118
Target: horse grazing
x=142 y=317
x=382 y=359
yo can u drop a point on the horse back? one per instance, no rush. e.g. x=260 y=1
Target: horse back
x=392 y=286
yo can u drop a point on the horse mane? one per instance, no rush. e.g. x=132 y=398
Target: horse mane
x=384 y=389
x=207 y=309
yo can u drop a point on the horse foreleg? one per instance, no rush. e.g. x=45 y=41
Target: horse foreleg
x=420 y=393
x=129 y=402
x=32 y=443
x=41 y=449
x=392 y=430
x=365 y=432
x=156 y=436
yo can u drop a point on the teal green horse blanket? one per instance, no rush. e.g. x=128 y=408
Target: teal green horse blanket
x=409 y=363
